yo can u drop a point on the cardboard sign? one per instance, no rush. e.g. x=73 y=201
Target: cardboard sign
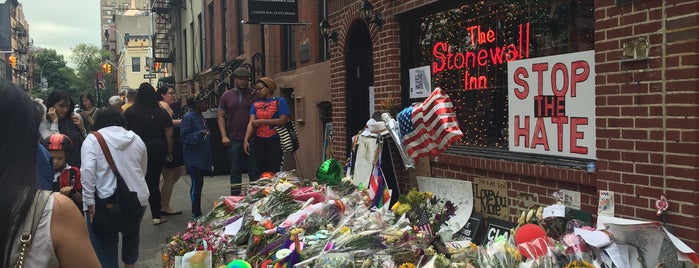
x=470 y=230
x=490 y=198
x=497 y=228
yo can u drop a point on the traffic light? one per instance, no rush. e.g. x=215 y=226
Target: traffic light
x=104 y=67
x=109 y=68
x=12 y=60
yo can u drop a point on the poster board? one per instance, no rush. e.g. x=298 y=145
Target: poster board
x=420 y=82
x=459 y=192
x=494 y=228
x=551 y=105
x=328 y=142
x=366 y=154
x=491 y=198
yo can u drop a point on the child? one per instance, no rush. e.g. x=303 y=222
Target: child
x=66 y=178
x=196 y=148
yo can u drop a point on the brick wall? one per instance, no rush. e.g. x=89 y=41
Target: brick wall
x=647 y=113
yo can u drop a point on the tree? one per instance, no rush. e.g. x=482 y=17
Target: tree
x=57 y=74
x=88 y=61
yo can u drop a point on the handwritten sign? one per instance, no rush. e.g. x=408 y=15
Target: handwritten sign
x=458 y=192
x=470 y=230
x=491 y=198
x=551 y=104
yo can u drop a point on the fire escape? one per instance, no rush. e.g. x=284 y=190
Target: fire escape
x=162 y=23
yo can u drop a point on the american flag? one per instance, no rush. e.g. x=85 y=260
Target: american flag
x=378 y=191
x=423 y=223
x=429 y=127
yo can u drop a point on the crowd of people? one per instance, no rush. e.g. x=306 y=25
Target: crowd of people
x=149 y=136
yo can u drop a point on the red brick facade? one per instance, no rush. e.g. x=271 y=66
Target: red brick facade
x=646 y=109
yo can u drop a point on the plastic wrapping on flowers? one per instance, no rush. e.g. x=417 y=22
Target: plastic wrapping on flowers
x=285 y=220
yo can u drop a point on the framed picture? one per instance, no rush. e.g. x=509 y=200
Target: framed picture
x=328 y=142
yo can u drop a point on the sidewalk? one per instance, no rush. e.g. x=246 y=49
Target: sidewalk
x=154 y=236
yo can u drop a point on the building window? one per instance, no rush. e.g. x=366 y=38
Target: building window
x=212 y=45
x=289 y=47
x=238 y=15
x=185 y=61
x=224 y=27
x=136 y=64
x=467 y=47
x=202 y=41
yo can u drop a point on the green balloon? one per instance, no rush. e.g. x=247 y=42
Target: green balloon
x=330 y=172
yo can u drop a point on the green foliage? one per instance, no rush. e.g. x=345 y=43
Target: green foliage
x=53 y=67
x=88 y=61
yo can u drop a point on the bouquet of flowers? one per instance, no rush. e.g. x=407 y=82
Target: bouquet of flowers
x=426 y=212
x=193 y=239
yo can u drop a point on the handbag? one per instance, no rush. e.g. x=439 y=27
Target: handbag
x=121 y=211
x=40 y=199
x=288 y=137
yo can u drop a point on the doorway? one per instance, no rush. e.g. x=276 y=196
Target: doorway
x=359 y=77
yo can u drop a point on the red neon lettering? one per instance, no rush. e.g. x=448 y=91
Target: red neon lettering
x=474 y=82
x=511 y=53
x=522 y=131
x=578 y=77
x=559 y=67
x=519 y=75
x=473 y=35
x=490 y=36
x=576 y=135
x=437 y=53
x=539 y=137
x=496 y=56
x=482 y=57
x=539 y=68
x=559 y=121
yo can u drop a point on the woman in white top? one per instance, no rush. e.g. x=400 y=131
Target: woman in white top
x=61 y=238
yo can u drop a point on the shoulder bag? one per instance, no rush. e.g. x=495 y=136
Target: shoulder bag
x=288 y=137
x=30 y=223
x=122 y=210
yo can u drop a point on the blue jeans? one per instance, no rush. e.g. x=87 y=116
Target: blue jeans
x=197 y=175
x=240 y=160
x=107 y=246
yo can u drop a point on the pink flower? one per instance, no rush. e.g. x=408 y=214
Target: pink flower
x=661 y=205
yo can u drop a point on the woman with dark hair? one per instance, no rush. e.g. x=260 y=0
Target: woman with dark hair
x=61 y=119
x=60 y=238
x=98 y=180
x=154 y=125
x=264 y=115
x=196 y=147
x=87 y=110
x=172 y=171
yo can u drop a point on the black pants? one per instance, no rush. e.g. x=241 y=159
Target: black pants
x=156 y=158
x=197 y=176
x=268 y=154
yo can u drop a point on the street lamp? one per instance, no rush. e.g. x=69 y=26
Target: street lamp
x=44 y=84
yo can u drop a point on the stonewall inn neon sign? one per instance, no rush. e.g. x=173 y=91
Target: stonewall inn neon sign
x=445 y=59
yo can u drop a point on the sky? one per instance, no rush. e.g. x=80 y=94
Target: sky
x=63 y=24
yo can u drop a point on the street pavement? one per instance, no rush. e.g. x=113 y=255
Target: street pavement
x=153 y=237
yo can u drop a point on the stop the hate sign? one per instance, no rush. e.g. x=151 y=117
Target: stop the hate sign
x=552 y=105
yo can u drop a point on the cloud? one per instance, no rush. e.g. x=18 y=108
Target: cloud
x=61 y=25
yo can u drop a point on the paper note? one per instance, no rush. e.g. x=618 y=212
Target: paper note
x=234 y=227
x=557 y=210
x=606 y=203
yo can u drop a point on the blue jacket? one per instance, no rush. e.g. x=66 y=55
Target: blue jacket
x=195 y=145
x=44 y=168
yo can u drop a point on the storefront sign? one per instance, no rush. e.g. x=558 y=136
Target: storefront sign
x=490 y=197
x=482 y=51
x=273 y=11
x=552 y=105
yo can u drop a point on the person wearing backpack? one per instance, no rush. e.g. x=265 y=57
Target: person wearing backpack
x=66 y=177
x=128 y=152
